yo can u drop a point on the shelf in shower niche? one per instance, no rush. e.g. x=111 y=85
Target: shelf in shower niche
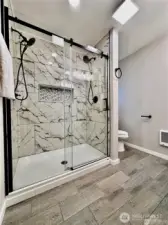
x=49 y=93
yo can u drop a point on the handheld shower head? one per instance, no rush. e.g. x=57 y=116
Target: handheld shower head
x=95 y=99
x=24 y=44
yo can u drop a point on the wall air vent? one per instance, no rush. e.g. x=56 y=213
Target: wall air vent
x=164 y=138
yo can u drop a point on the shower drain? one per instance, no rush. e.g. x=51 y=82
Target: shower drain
x=64 y=162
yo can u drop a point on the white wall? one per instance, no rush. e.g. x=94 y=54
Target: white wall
x=150 y=23
x=143 y=89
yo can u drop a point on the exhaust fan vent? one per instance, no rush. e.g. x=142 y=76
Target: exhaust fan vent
x=164 y=138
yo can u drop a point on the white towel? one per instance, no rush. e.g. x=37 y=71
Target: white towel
x=6 y=71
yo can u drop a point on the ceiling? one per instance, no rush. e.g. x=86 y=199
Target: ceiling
x=93 y=20
x=150 y=23
x=87 y=25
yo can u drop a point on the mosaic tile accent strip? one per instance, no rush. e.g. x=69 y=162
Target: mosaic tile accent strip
x=55 y=94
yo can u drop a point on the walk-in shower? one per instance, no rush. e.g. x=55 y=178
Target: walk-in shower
x=61 y=122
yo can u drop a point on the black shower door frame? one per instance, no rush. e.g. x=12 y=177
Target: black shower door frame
x=7 y=113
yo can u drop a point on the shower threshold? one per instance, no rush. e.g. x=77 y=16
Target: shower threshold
x=35 y=168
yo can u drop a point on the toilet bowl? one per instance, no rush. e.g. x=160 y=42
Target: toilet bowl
x=122 y=136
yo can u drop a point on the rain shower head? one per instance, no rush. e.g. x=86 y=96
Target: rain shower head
x=87 y=60
x=31 y=41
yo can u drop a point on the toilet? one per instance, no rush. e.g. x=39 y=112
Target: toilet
x=122 y=136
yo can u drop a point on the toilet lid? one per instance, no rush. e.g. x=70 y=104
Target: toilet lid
x=121 y=132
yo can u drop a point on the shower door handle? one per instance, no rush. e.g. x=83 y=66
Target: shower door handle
x=106 y=102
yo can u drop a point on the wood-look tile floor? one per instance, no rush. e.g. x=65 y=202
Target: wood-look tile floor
x=133 y=192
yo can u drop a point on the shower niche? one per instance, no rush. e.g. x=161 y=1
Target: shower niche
x=48 y=93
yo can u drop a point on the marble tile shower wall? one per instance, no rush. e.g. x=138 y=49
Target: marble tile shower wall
x=40 y=126
x=104 y=45
x=96 y=113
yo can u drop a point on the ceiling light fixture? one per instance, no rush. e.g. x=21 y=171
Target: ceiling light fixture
x=74 y=3
x=125 y=12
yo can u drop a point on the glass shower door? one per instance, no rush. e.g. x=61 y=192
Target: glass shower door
x=88 y=110
x=38 y=122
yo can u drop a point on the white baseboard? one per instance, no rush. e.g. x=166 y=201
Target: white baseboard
x=114 y=162
x=41 y=187
x=148 y=151
x=2 y=212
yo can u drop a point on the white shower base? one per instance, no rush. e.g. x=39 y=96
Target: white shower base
x=36 y=168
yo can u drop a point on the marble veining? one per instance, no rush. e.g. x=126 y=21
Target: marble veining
x=53 y=118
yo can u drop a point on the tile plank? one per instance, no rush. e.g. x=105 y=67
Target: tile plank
x=73 y=204
x=51 y=216
x=96 y=176
x=106 y=206
x=53 y=197
x=18 y=213
x=113 y=182
x=84 y=217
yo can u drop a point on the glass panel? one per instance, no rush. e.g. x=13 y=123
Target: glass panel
x=89 y=113
x=38 y=121
x=69 y=91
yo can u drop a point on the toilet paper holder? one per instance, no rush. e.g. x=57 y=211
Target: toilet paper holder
x=146 y=116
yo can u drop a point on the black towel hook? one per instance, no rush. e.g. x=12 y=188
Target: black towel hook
x=118 y=73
